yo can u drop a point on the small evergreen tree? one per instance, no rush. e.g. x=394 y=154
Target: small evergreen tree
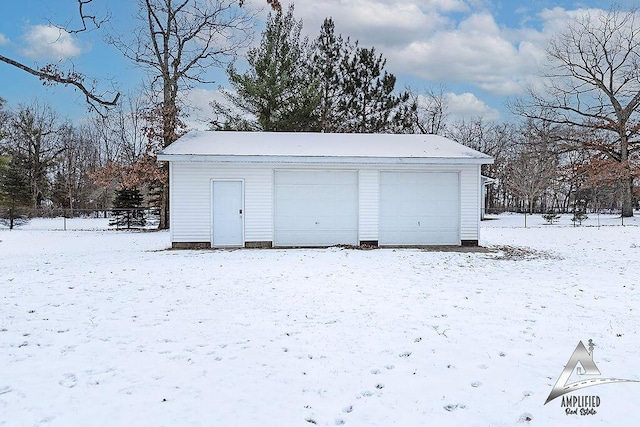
x=551 y=216
x=579 y=212
x=127 y=209
x=14 y=191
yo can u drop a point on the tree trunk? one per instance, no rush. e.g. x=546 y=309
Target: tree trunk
x=626 y=181
x=627 y=197
x=164 y=208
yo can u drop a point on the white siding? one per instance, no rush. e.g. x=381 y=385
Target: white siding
x=191 y=197
x=470 y=203
x=191 y=200
x=369 y=188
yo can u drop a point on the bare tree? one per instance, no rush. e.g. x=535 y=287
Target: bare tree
x=177 y=42
x=594 y=83
x=72 y=188
x=494 y=139
x=529 y=174
x=432 y=111
x=34 y=138
x=125 y=128
x=52 y=74
x=122 y=143
x=4 y=119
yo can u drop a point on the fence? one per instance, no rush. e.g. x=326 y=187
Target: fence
x=501 y=210
x=78 y=219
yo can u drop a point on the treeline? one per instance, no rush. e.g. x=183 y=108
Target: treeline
x=575 y=145
x=541 y=167
x=48 y=162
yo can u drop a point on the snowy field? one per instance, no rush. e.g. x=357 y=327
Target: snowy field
x=108 y=328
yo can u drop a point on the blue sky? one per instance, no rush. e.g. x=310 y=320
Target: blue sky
x=482 y=51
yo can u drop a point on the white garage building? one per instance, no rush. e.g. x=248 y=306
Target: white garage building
x=256 y=189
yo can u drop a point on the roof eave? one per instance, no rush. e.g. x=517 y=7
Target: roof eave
x=323 y=159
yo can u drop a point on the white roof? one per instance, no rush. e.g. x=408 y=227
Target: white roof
x=319 y=148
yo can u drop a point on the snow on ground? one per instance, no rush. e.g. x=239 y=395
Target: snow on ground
x=107 y=328
x=76 y=223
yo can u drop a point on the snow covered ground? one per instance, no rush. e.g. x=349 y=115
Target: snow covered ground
x=107 y=328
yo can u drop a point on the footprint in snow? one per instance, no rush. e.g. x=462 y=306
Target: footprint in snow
x=339 y=421
x=69 y=380
x=476 y=384
x=375 y=371
x=526 y=417
x=347 y=409
x=453 y=406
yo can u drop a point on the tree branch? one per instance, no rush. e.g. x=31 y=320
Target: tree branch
x=97 y=23
x=74 y=80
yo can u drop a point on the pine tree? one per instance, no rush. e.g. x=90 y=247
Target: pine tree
x=551 y=217
x=332 y=86
x=358 y=95
x=277 y=90
x=330 y=53
x=579 y=212
x=14 y=191
x=369 y=100
x=14 y=182
x=127 y=212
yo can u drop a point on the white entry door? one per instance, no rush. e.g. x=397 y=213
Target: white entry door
x=227 y=214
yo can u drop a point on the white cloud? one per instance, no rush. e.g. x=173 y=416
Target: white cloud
x=49 y=42
x=467 y=106
x=450 y=41
x=199 y=110
x=3 y=40
x=449 y=5
x=476 y=51
x=374 y=22
x=423 y=39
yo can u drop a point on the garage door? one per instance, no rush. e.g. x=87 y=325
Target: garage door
x=419 y=208
x=316 y=208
